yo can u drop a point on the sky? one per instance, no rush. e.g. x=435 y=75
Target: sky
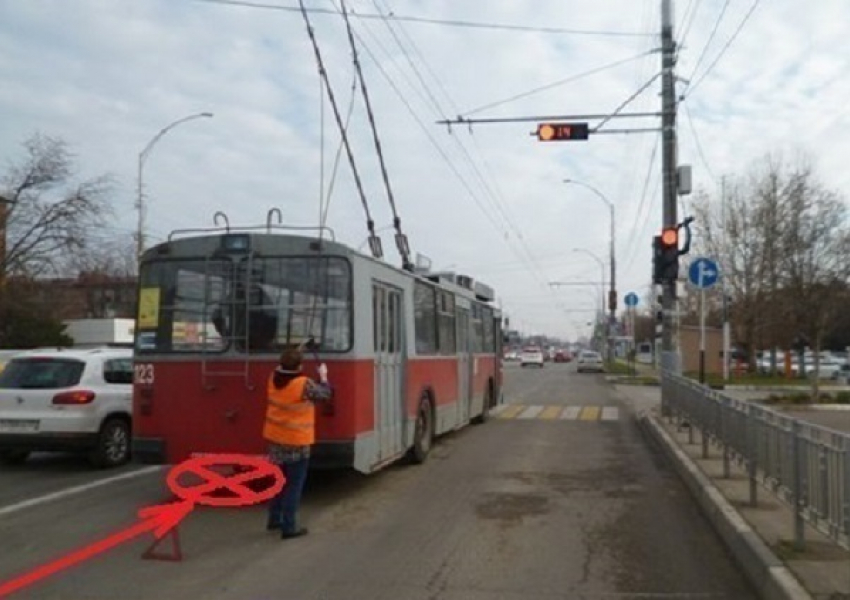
x=486 y=200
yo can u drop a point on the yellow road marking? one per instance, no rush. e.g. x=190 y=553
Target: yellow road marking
x=551 y=412
x=590 y=413
x=512 y=411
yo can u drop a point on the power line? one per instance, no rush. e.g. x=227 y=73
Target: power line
x=696 y=140
x=710 y=37
x=639 y=230
x=746 y=18
x=554 y=84
x=493 y=193
x=433 y=21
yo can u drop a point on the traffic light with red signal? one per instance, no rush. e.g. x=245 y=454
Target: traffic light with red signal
x=665 y=256
x=558 y=132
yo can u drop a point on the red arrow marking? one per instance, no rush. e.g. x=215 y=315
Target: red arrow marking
x=159 y=519
x=162 y=518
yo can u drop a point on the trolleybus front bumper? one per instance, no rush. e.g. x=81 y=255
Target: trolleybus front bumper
x=323 y=455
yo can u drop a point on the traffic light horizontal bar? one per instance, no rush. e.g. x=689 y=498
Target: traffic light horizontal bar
x=462 y=120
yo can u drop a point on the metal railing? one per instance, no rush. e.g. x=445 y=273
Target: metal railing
x=805 y=465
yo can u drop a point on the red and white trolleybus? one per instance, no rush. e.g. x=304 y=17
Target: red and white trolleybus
x=411 y=355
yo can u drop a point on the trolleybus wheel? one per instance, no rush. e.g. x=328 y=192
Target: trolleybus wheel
x=485 y=412
x=113 y=444
x=423 y=439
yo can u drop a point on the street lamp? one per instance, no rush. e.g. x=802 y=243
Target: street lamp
x=143 y=155
x=613 y=257
x=601 y=291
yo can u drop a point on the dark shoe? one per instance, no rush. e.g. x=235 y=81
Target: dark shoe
x=294 y=534
x=272 y=527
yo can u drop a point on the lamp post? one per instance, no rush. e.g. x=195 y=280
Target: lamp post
x=143 y=155
x=613 y=255
x=602 y=292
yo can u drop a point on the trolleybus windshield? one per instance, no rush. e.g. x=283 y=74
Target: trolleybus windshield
x=244 y=305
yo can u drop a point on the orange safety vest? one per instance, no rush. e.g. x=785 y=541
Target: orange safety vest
x=290 y=420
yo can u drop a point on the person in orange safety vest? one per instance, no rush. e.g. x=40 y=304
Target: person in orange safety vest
x=290 y=430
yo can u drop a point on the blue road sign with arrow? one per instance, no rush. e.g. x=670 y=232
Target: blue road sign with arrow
x=631 y=299
x=703 y=273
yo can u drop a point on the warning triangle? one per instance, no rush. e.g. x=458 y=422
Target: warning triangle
x=176 y=553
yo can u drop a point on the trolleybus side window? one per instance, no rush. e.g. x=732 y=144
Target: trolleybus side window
x=424 y=298
x=487 y=325
x=448 y=342
x=477 y=339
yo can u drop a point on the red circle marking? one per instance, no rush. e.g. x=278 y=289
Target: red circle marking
x=212 y=481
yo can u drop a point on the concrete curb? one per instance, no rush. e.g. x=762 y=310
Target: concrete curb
x=768 y=575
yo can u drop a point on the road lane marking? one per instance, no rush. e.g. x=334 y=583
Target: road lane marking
x=510 y=413
x=589 y=413
x=13 y=508
x=551 y=412
x=498 y=409
x=571 y=413
x=531 y=412
x=610 y=413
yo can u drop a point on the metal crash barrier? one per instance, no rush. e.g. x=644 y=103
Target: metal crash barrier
x=805 y=465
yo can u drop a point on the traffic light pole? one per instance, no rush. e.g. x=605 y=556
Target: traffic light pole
x=668 y=133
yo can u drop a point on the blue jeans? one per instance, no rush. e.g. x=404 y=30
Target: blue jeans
x=283 y=508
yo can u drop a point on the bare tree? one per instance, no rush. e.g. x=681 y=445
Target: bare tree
x=48 y=213
x=111 y=257
x=815 y=249
x=732 y=236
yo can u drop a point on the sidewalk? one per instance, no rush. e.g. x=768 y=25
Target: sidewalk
x=761 y=537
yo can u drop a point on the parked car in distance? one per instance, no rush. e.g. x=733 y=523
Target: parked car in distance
x=59 y=400
x=588 y=360
x=531 y=356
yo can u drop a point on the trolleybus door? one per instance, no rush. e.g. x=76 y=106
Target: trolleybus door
x=387 y=314
x=464 y=363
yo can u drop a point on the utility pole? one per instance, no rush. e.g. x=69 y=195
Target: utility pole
x=669 y=161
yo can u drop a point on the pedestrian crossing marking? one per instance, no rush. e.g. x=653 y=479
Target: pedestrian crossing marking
x=560 y=412
x=511 y=411
x=530 y=412
x=571 y=413
x=610 y=413
x=590 y=413
x=551 y=412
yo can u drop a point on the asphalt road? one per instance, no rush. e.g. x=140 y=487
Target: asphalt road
x=560 y=497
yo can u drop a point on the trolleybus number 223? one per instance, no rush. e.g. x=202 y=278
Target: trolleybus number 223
x=143 y=374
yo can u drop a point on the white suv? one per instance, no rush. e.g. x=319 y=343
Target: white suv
x=55 y=400
x=531 y=356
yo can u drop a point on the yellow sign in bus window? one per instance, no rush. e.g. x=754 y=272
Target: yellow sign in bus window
x=149 y=308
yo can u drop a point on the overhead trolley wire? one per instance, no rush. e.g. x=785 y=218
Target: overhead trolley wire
x=492 y=191
x=434 y=21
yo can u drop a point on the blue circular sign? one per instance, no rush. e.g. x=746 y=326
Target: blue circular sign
x=631 y=299
x=703 y=273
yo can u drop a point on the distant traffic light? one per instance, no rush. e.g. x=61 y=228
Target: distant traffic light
x=554 y=132
x=665 y=256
